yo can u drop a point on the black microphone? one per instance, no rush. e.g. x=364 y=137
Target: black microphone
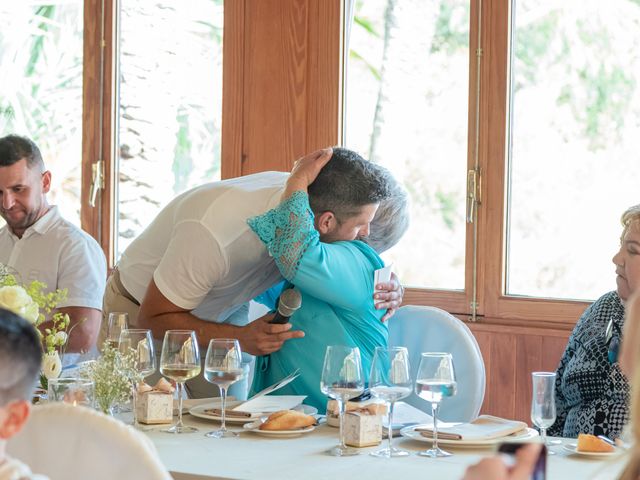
x=290 y=300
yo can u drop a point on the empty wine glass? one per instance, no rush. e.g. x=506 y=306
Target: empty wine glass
x=140 y=342
x=543 y=403
x=223 y=367
x=435 y=380
x=180 y=361
x=118 y=321
x=342 y=380
x=390 y=381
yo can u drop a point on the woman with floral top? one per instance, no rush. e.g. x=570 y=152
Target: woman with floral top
x=335 y=280
x=592 y=394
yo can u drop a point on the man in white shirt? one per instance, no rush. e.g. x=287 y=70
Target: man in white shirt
x=198 y=264
x=20 y=357
x=41 y=245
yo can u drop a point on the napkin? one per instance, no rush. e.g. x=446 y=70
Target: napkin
x=231 y=413
x=485 y=427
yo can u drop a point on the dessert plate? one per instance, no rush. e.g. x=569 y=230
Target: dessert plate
x=573 y=449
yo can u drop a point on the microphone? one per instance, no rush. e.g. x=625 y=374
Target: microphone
x=290 y=300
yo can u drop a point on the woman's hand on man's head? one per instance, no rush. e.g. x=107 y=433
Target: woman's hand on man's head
x=306 y=169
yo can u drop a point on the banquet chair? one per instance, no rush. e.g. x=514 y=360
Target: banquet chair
x=430 y=329
x=65 y=442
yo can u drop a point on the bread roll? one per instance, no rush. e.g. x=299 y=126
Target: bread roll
x=287 y=420
x=591 y=443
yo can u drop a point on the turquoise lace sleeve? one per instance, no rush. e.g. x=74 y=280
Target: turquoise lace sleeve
x=287 y=231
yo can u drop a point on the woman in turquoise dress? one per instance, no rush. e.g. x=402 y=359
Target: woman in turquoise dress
x=336 y=281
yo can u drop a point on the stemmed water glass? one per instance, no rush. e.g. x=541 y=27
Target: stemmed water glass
x=223 y=367
x=140 y=342
x=342 y=380
x=543 y=403
x=436 y=379
x=118 y=322
x=180 y=361
x=390 y=381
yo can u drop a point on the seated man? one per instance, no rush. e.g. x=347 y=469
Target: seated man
x=41 y=245
x=20 y=357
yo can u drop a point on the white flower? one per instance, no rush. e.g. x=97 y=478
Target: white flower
x=61 y=338
x=17 y=300
x=51 y=365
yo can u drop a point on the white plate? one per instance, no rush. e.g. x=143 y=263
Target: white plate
x=573 y=448
x=252 y=427
x=410 y=432
x=199 y=411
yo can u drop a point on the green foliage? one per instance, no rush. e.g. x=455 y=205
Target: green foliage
x=366 y=24
x=182 y=162
x=450 y=36
x=531 y=46
x=448 y=205
x=354 y=55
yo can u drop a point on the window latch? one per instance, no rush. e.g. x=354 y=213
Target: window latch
x=474 y=193
x=97 y=181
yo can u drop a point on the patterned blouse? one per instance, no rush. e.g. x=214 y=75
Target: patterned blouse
x=592 y=394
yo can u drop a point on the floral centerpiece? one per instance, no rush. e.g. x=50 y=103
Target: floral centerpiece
x=113 y=374
x=31 y=302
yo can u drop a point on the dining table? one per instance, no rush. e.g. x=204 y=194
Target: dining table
x=193 y=456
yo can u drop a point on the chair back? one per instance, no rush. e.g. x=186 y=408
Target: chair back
x=65 y=442
x=430 y=329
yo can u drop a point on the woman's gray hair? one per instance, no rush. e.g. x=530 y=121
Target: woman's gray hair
x=629 y=217
x=391 y=220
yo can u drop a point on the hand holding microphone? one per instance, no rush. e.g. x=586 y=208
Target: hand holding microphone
x=290 y=300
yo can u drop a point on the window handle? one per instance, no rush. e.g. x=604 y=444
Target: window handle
x=97 y=181
x=474 y=191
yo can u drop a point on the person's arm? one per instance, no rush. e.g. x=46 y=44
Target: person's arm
x=159 y=314
x=83 y=273
x=182 y=280
x=325 y=271
x=84 y=326
x=562 y=408
x=630 y=338
x=494 y=467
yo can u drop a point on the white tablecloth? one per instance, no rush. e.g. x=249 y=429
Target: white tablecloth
x=193 y=456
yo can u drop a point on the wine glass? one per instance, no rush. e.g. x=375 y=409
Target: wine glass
x=543 y=403
x=140 y=342
x=342 y=380
x=390 y=381
x=223 y=367
x=118 y=321
x=436 y=379
x=180 y=361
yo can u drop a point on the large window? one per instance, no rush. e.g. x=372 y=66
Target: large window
x=41 y=88
x=406 y=109
x=169 y=105
x=550 y=94
x=575 y=113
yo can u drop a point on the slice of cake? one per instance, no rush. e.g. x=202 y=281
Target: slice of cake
x=591 y=443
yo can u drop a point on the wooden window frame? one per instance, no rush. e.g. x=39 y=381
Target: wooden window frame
x=318 y=27
x=494 y=305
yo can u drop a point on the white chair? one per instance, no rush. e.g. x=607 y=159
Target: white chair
x=76 y=443
x=430 y=329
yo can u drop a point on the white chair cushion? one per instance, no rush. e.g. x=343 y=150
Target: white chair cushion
x=430 y=329
x=68 y=443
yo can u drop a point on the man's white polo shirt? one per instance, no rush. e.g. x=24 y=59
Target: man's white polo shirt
x=59 y=254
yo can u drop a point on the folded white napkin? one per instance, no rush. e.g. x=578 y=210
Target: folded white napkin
x=485 y=427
